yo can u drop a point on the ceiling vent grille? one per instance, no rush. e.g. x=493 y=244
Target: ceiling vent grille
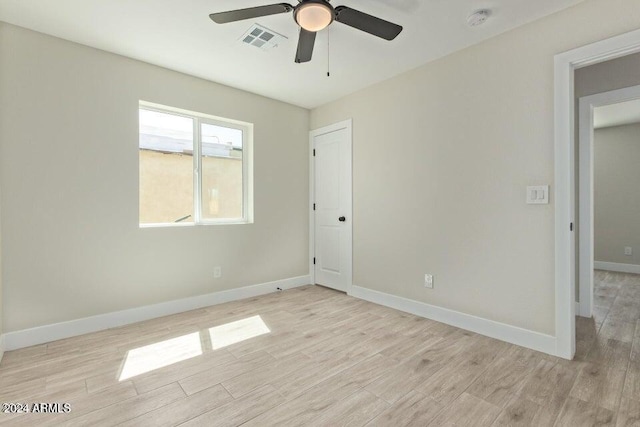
x=262 y=37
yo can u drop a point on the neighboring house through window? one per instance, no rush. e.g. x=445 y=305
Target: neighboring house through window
x=194 y=168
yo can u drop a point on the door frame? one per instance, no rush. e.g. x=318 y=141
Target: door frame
x=586 y=249
x=565 y=65
x=345 y=124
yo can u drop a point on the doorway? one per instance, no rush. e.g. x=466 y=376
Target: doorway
x=331 y=218
x=607 y=110
x=565 y=65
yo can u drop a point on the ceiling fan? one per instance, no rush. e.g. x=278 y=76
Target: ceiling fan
x=313 y=16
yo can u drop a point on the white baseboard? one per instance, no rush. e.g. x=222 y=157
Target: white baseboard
x=57 y=331
x=511 y=334
x=616 y=266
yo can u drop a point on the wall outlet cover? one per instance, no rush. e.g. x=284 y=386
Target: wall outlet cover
x=428 y=281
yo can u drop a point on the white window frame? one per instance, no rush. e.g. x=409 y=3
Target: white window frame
x=247 y=165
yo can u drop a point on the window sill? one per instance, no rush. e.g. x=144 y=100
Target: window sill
x=191 y=224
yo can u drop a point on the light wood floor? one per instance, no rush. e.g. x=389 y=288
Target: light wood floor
x=328 y=360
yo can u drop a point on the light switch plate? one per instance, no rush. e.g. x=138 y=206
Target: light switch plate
x=538 y=195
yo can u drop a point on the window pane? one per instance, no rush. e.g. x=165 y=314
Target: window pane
x=166 y=168
x=221 y=172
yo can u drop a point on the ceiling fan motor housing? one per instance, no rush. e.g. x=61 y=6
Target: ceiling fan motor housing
x=314 y=15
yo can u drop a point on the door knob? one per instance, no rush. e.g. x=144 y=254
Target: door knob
x=342 y=219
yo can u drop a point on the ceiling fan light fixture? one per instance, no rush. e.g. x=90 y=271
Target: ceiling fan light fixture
x=314 y=15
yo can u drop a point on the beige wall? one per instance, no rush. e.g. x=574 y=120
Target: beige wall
x=1 y=288
x=166 y=187
x=617 y=193
x=71 y=243
x=474 y=129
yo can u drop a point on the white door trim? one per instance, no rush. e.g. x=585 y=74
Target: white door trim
x=564 y=99
x=346 y=124
x=586 y=177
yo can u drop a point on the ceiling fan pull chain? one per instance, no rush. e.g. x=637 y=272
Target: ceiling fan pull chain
x=328 y=73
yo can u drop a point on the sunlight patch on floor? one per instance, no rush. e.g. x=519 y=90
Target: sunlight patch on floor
x=158 y=355
x=234 y=332
x=164 y=353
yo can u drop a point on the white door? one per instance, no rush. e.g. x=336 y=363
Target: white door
x=333 y=222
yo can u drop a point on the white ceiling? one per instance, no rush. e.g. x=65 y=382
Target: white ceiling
x=623 y=113
x=180 y=36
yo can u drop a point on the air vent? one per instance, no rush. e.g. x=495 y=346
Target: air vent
x=262 y=37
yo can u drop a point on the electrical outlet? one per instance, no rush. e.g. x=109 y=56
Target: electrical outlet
x=428 y=281
x=217 y=272
x=628 y=250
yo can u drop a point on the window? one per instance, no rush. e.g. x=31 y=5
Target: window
x=194 y=168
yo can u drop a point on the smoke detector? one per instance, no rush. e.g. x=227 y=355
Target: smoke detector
x=478 y=18
x=262 y=37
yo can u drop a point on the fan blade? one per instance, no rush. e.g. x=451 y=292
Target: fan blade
x=252 y=12
x=305 y=46
x=367 y=23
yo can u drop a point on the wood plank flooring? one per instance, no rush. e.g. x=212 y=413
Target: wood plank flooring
x=314 y=357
